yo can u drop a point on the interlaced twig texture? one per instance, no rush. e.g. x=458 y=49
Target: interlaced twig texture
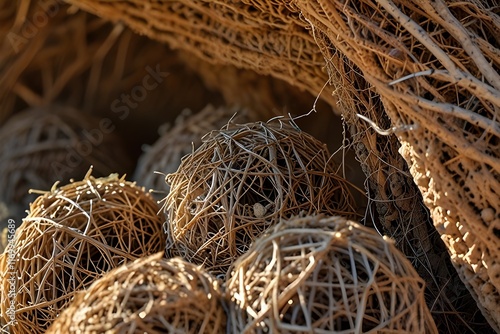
x=164 y=156
x=242 y=180
x=149 y=295
x=72 y=236
x=325 y=275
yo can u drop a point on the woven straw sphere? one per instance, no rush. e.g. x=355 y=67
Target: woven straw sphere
x=324 y=275
x=164 y=156
x=242 y=180
x=43 y=145
x=72 y=236
x=149 y=295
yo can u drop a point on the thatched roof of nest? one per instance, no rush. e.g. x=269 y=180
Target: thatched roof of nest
x=72 y=236
x=149 y=295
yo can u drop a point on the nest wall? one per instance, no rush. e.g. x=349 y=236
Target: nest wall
x=72 y=236
x=435 y=66
x=443 y=118
x=242 y=180
x=324 y=275
x=148 y=295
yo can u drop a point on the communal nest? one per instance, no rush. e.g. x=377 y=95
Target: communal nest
x=424 y=77
x=72 y=236
x=242 y=180
x=149 y=295
x=325 y=275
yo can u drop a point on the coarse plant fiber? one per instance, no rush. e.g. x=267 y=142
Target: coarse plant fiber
x=426 y=70
x=40 y=146
x=318 y=274
x=164 y=156
x=53 y=53
x=72 y=236
x=242 y=180
x=149 y=295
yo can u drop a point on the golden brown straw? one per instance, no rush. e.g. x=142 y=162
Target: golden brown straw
x=242 y=180
x=164 y=156
x=149 y=295
x=249 y=34
x=323 y=275
x=78 y=59
x=72 y=236
x=436 y=67
x=43 y=145
x=424 y=74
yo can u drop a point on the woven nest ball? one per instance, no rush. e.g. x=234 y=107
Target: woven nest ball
x=325 y=275
x=43 y=145
x=149 y=295
x=72 y=236
x=164 y=157
x=242 y=180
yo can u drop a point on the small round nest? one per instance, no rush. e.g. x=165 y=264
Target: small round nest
x=242 y=180
x=40 y=146
x=324 y=275
x=72 y=236
x=164 y=157
x=149 y=295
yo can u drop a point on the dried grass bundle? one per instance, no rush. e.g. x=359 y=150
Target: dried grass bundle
x=324 y=275
x=72 y=236
x=148 y=295
x=43 y=145
x=242 y=180
x=164 y=157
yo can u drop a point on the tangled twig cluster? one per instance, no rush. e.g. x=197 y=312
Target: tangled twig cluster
x=148 y=295
x=325 y=275
x=72 y=236
x=241 y=181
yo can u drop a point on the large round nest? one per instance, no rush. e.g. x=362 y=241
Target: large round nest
x=61 y=144
x=164 y=157
x=149 y=295
x=242 y=180
x=325 y=275
x=72 y=236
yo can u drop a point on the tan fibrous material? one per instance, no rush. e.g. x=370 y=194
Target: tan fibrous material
x=433 y=64
x=40 y=146
x=324 y=275
x=241 y=181
x=72 y=236
x=148 y=295
x=436 y=67
x=247 y=34
x=164 y=156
